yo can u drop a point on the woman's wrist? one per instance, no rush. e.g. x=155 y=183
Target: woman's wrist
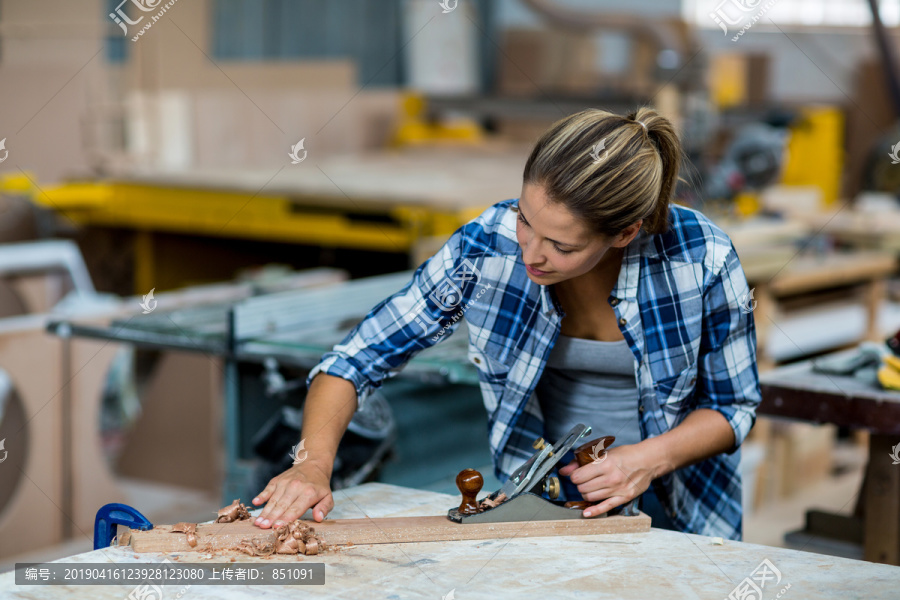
x=703 y=434
x=323 y=467
x=659 y=457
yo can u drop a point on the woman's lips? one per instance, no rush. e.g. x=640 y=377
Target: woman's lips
x=535 y=272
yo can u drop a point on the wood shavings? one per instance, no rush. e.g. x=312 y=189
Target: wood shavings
x=297 y=537
x=236 y=511
x=488 y=503
x=190 y=531
x=290 y=545
x=257 y=547
x=312 y=547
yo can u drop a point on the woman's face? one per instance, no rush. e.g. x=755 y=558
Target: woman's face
x=555 y=245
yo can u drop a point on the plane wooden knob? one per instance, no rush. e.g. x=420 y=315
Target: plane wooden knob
x=594 y=450
x=469 y=482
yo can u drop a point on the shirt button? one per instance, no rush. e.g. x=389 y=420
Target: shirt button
x=622 y=321
x=614 y=301
x=640 y=408
x=477 y=360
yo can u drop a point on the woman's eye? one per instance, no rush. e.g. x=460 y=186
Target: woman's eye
x=561 y=251
x=522 y=220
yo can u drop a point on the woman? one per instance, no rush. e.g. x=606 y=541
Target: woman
x=588 y=299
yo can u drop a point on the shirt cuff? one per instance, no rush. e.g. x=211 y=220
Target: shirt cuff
x=741 y=420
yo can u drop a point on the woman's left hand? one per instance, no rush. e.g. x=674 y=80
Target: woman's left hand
x=623 y=475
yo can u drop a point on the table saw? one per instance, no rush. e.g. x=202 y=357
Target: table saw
x=261 y=336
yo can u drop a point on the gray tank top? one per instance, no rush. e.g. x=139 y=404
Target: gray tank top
x=590 y=382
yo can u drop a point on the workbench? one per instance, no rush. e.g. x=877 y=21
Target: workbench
x=814 y=274
x=797 y=392
x=657 y=564
x=874 y=229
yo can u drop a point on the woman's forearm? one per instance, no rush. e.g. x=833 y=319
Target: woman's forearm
x=327 y=411
x=704 y=433
x=329 y=407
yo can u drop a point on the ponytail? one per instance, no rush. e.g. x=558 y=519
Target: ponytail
x=609 y=170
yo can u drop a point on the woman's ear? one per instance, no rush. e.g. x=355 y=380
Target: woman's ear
x=627 y=234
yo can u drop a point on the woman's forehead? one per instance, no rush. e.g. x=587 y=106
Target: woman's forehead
x=554 y=219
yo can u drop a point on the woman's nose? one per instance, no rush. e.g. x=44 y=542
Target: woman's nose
x=530 y=253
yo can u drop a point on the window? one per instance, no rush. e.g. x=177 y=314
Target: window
x=367 y=32
x=116 y=40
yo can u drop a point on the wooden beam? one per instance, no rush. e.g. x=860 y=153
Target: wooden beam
x=339 y=532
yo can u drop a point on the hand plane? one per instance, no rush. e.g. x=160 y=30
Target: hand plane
x=521 y=497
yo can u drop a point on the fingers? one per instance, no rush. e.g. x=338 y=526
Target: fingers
x=568 y=469
x=282 y=499
x=605 y=506
x=588 y=472
x=601 y=494
x=301 y=496
x=323 y=508
x=272 y=508
x=587 y=481
x=290 y=500
x=265 y=494
x=606 y=488
x=289 y=495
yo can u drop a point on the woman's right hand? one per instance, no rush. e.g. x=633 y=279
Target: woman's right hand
x=292 y=493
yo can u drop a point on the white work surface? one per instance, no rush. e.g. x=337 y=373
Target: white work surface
x=655 y=565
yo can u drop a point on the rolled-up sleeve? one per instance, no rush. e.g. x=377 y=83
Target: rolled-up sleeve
x=728 y=376
x=400 y=326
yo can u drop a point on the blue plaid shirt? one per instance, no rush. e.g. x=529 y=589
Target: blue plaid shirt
x=679 y=301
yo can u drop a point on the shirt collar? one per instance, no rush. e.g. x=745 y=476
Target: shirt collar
x=547 y=304
x=627 y=284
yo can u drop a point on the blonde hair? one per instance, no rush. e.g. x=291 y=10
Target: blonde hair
x=609 y=170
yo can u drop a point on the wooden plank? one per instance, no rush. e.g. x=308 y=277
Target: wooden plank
x=35 y=447
x=186 y=384
x=339 y=532
x=882 y=503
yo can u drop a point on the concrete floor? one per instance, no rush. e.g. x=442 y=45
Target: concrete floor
x=838 y=493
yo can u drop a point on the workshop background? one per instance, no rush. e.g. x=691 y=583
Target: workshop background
x=197 y=201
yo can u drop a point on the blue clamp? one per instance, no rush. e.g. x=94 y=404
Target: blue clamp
x=116 y=514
